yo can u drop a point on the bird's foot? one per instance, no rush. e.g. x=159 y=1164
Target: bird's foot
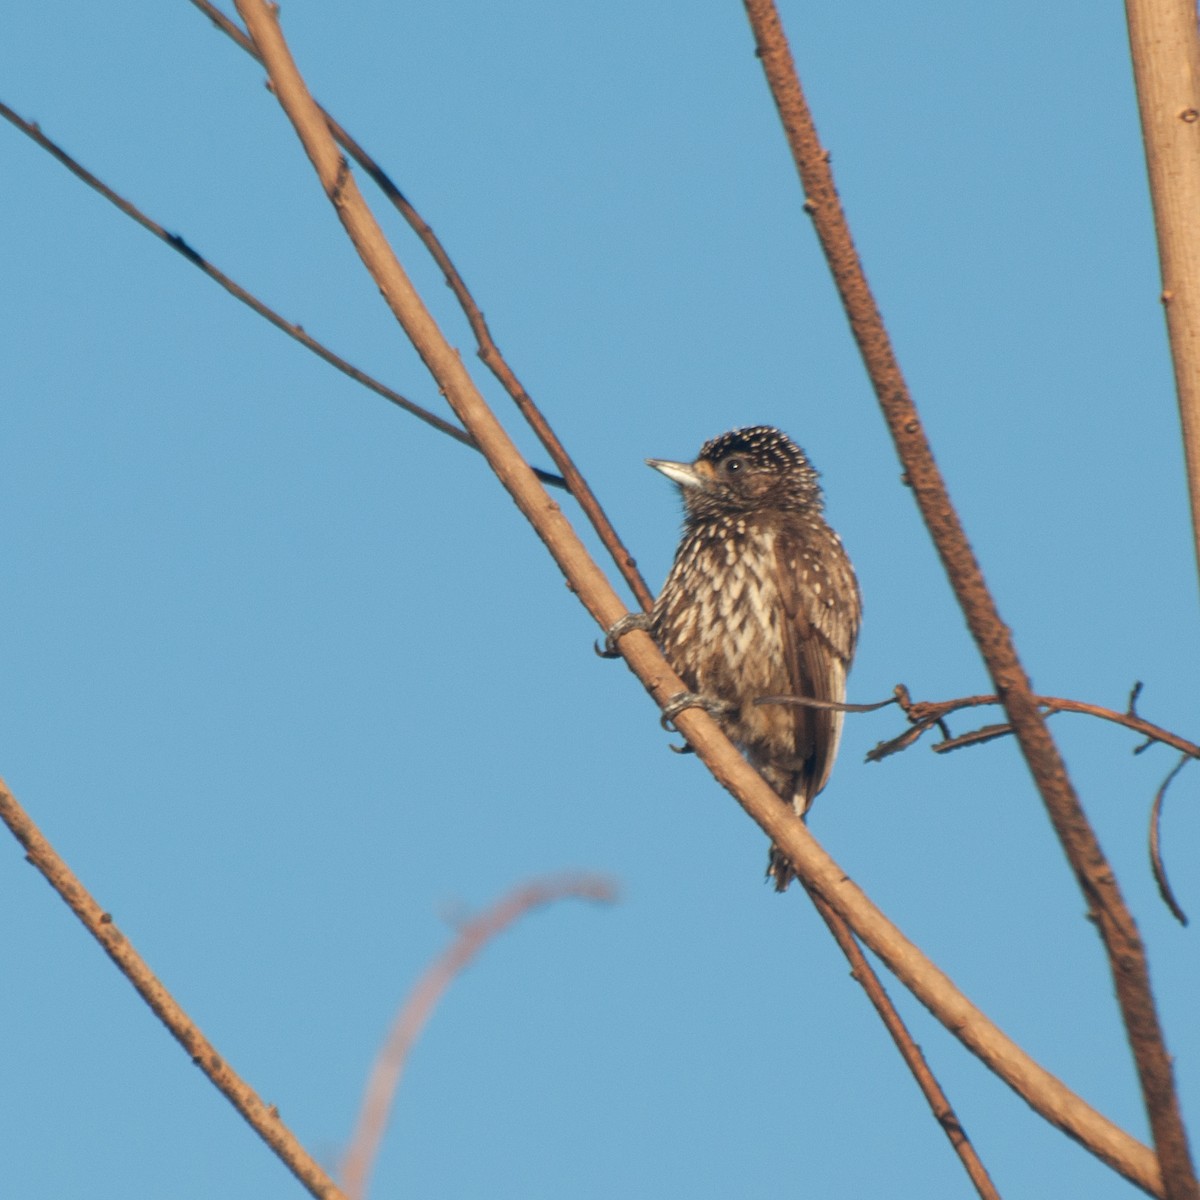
x=629 y=622
x=676 y=705
x=680 y=701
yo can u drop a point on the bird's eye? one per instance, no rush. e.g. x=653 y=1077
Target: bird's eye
x=733 y=465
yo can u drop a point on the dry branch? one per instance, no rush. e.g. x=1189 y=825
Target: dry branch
x=423 y=999
x=924 y=715
x=1042 y=1090
x=262 y=1118
x=1106 y=906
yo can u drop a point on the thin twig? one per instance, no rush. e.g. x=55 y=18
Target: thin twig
x=939 y=1104
x=297 y=332
x=1045 y=1093
x=262 y=1118
x=1156 y=862
x=488 y=351
x=926 y=714
x=423 y=999
x=1095 y=876
x=831 y=705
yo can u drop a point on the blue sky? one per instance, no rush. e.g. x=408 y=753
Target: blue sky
x=289 y=681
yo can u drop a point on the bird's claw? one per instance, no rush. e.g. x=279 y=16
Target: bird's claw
x=627 y=623
x=676 y=705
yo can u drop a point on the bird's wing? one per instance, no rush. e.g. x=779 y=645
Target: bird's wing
x=821 y=612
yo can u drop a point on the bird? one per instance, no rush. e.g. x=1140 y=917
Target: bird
x=761 y=601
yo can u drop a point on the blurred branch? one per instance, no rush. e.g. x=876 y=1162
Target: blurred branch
x=423 y=999
x=1048 y=1095
x=263 y=1119
x=1165 y=47
x=1097 y=881
x=180 y=246
x=488 y=351
x=863 y=973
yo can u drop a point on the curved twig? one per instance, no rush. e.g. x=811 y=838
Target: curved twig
x=262 y=1118
x=1156 y=862
x=423 y=999
x=297 y=332
x=488 y=351
x=1045 y=1093
x=1106 y=905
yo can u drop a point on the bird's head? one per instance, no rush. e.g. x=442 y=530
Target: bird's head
x=745 y=470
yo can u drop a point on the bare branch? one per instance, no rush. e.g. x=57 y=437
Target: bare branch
x=1165 y=47
x=488 y=351
x=423 y=999
x=262 y=1118
x=1122 y=943
x=1048 y=1095
x=925 y=714
x=862 y=971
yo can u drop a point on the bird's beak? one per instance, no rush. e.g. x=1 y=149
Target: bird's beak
x=684 y=474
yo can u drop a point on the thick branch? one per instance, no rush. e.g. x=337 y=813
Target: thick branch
x=1165 y=46
x=1041 y=1089
x=1126 y=954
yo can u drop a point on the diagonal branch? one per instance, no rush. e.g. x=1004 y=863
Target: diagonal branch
x=180 y=246
x=262 y=1118
x=488 y=351
x=1048 y=1095
x=1106 y=906
x=424 y=997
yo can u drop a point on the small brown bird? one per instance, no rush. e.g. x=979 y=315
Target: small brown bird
x=761 y=601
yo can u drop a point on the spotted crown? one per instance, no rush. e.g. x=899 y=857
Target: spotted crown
x=766 y=451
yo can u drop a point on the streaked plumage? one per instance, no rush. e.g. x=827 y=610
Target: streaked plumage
x=762 y=601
